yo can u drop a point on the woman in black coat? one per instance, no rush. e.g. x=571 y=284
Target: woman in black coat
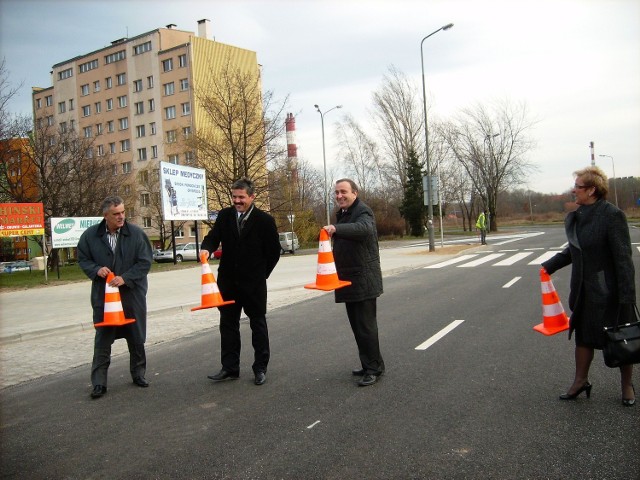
x=602 y=276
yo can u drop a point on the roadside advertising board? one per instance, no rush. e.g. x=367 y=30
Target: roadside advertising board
x=184 y=192
x=21 y=219
x=65 y=232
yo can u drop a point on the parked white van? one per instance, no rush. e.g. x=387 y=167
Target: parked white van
x=286 y=245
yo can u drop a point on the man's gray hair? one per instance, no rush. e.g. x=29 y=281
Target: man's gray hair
x=244 y=184
x=111 y=201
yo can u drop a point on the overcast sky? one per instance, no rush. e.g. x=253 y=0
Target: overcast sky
x=576 y=64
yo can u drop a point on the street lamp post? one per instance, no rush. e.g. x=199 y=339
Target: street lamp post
x=432 y=246
x=324 y=159
x=615 y=189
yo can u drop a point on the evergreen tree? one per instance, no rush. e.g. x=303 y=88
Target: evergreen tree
x=412 y=207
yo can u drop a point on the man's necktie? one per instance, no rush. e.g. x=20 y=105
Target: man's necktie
x=241 y=221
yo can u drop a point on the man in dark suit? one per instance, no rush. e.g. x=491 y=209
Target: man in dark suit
x=251 y=251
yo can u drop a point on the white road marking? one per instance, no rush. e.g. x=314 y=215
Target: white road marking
x=482 y=260
x=542 y=258
x=313 y=424
x=508 y=284
x=439 y=335
x=512 y=259
x=462 y=258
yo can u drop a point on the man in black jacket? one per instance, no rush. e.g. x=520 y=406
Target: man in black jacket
x=251 y=250
x=357 y=259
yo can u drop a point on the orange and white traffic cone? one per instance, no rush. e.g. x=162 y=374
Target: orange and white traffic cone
x=554 y=318
x=326 y=277
x=211 y=296
x=113 y=313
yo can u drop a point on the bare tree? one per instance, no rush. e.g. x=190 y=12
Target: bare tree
x=491 y=145
x=241 y=132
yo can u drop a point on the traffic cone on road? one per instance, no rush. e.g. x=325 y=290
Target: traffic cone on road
x=113 y=313
x=326 y=277
x=554 y=318
x=211 y=296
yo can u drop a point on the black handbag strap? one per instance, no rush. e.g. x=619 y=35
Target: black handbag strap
x=635 y=307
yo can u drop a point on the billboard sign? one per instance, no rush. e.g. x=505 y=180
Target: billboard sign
x=21 y=219
x=184 y=192
x=65 y=232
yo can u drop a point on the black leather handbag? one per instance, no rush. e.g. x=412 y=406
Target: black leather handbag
x=623 y=343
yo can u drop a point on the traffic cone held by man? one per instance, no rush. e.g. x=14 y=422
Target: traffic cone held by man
x=211 y=296
x=554 y=318
x=113 y=313
x=327 y=276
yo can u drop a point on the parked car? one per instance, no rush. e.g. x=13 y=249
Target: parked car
x=17 y=266
x=185 y=251
x=286 y=244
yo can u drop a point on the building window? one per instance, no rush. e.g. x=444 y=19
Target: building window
x=96 y=86
x=84 y=89
x=139 y=108
x=169 y=88
x=179 y=232
x=139 y=131
x=173 y=159
x=122 y=101
x=108 y=82
x=110 y=126
x=85 y=67
x=143 y=47
x=50 y=120
x=86 y=110
x=67 y=73
x=98 y=107
x=127 y=191
x=88 y=153
x=146 y=222
x=186 y=132
x=170 y=112
x=109 y=104
x=144 y=199
x=87 y=132
x=112 y=149
x=123 y=123
x=142 y=154
x=126 y=167
x=63 y=127
x=48 y=100
x=125 y=146
x=184 y=84
x=171 y=136
x=72 y=125
x=182 y=60
x=137 y=85
x=152 y=105
x=38 y=103
x=62 y=107
x=100 y=150
x=71 y=104
x=98 y=129
x=121 y=79
x=189 y=158
x=150 y=81
x=154 y=151
x=152 y=127
x=115 y=57
x=186 y=108
x=167 y=65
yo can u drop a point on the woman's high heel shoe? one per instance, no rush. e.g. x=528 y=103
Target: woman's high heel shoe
x=630 y=402
x=572 y=396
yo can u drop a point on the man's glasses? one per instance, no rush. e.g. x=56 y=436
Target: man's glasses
x=575 y=185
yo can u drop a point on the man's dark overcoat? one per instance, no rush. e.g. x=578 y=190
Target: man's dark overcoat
x=248 y=257
x=602 y=271
x=132 y=261
x=356 y=254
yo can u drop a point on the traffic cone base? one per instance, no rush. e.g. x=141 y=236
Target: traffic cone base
x=327 y=276
x=554 y=318
x=211 y=296
x=113 y=313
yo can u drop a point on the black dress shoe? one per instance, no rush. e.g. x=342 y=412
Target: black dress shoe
x=98 y=391
x=141 y=382
x=223 y=375
x=261 y=377
x=358 y=372
x=367 y=380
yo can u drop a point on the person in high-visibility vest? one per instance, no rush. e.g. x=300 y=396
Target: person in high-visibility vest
x=481 y=225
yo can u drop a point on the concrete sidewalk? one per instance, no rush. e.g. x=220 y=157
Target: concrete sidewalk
x=49 y=330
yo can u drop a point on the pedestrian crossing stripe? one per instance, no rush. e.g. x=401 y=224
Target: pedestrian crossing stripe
x=470 y=260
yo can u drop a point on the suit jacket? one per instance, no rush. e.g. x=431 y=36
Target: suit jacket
x=248 y=258
x=131 y=260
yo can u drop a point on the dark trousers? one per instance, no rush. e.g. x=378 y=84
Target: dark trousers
x=362 y=317
x=230 y=339
x=102 y=357
x=483 y=236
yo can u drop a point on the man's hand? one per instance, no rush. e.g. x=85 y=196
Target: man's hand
x=103 y=272
x=330 y=229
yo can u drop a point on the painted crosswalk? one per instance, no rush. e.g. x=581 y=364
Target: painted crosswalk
x=496 y=259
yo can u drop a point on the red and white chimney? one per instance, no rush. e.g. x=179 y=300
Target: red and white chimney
x=292 y=148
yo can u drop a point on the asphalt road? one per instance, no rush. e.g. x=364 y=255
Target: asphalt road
x=481 y=402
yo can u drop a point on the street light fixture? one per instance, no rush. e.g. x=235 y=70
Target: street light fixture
x=432 y=246
x=324 y=159
x=615 y=189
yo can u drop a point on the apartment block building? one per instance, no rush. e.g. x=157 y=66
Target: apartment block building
x=137 y=99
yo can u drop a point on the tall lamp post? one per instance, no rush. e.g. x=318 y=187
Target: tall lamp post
x=432 y=246
x=324 y=159
x=615 y=189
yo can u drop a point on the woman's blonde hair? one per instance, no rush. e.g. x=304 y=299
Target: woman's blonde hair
x=594 y=177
